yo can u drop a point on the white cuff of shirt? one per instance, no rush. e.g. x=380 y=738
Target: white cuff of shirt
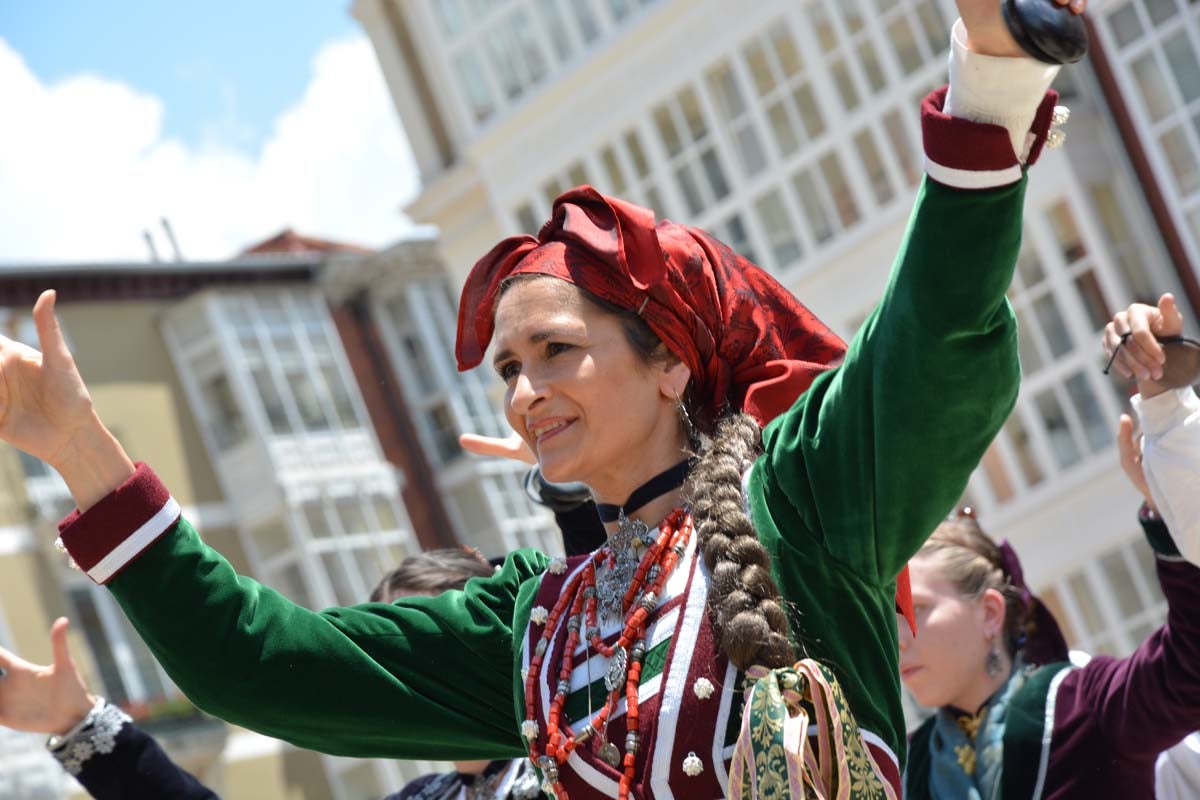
x=1000 y=90
x=1165 y=411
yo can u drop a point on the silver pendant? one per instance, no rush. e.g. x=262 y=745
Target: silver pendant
x=614 y=679
x=628 y=544
x=631 y=534
x=610 y=754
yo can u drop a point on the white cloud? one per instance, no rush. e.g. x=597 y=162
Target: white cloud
x=85 y=167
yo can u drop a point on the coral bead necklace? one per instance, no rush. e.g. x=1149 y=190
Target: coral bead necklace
x=578 y=602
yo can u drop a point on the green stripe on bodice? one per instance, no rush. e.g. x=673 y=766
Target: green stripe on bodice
x=576 y=707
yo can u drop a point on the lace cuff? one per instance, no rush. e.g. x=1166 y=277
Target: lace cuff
x=96 y=733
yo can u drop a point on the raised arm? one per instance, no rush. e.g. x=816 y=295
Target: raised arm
x=1149 y=701
x=1170 y=417
x=368 y=681
x=877 y=451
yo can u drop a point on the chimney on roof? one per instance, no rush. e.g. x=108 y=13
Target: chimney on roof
x=166 y=225
x=150 y=244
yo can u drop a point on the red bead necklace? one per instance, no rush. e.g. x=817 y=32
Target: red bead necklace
x=578 y=600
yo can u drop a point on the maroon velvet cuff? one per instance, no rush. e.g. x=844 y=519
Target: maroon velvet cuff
x=966 y=154
x=115 y=531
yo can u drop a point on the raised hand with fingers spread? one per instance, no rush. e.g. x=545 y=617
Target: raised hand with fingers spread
x=92 y=739
x=45 y=410
x=43 y=698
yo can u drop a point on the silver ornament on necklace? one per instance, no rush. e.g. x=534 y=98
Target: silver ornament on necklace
x=627 y=546
x=610 y=754
x=617 y=666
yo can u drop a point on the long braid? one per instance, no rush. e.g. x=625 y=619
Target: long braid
x=744 y=602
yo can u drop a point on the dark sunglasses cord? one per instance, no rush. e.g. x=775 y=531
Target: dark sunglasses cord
x=1164 y=341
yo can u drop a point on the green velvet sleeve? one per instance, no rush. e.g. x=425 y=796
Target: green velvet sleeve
x=428 y=677
x=877 y=451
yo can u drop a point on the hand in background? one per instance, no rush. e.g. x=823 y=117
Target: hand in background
x=1130 y=448
x=43 y=699
x=512 y=446
x=1133 y=335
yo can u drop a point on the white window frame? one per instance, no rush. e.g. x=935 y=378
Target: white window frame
x=1187 y=18
x=1053 y=374
x=482 y=28
x=1117 y=628
x=836 y=138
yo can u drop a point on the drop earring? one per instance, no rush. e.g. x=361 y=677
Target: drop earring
x=689 y=427
x=993 y=665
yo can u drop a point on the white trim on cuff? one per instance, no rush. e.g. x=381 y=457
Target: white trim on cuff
x=970 y=178
x=135 y=543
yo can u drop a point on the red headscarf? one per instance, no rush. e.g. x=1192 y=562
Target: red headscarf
x=749 y=343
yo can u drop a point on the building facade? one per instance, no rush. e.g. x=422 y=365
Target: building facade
x=790 y=130
x=277 y=420
x=301 y=400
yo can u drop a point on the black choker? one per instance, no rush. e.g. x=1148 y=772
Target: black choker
x=660 y=484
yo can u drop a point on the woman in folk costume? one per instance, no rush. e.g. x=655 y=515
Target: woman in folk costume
x=1016 y=720
x=774 y=568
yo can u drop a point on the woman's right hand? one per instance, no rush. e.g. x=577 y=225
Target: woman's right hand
x=43 y=400
x=43 y=699
x=45 y=410
x=512 y=446
x=986 y=32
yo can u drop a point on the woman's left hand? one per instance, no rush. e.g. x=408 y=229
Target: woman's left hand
x=986 y=32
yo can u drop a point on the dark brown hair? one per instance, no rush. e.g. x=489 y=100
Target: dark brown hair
x=643 y=340
x=745 y=604
x=971 y=561
x=431 y=573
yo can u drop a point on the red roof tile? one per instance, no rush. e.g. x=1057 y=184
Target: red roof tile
x=288 y=241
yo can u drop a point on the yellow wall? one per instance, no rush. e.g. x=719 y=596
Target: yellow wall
x=286 y=775
x=122 y=356
x=227 y=543
x=121 y=353
x=13 y=503
x=30 y=599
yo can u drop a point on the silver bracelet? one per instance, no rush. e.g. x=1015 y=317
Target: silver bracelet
x=95 y=733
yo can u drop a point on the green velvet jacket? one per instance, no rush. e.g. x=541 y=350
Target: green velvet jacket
x=853 y=479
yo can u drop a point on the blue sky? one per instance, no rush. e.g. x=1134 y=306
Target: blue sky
x=225 y=70
x=231 y=119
